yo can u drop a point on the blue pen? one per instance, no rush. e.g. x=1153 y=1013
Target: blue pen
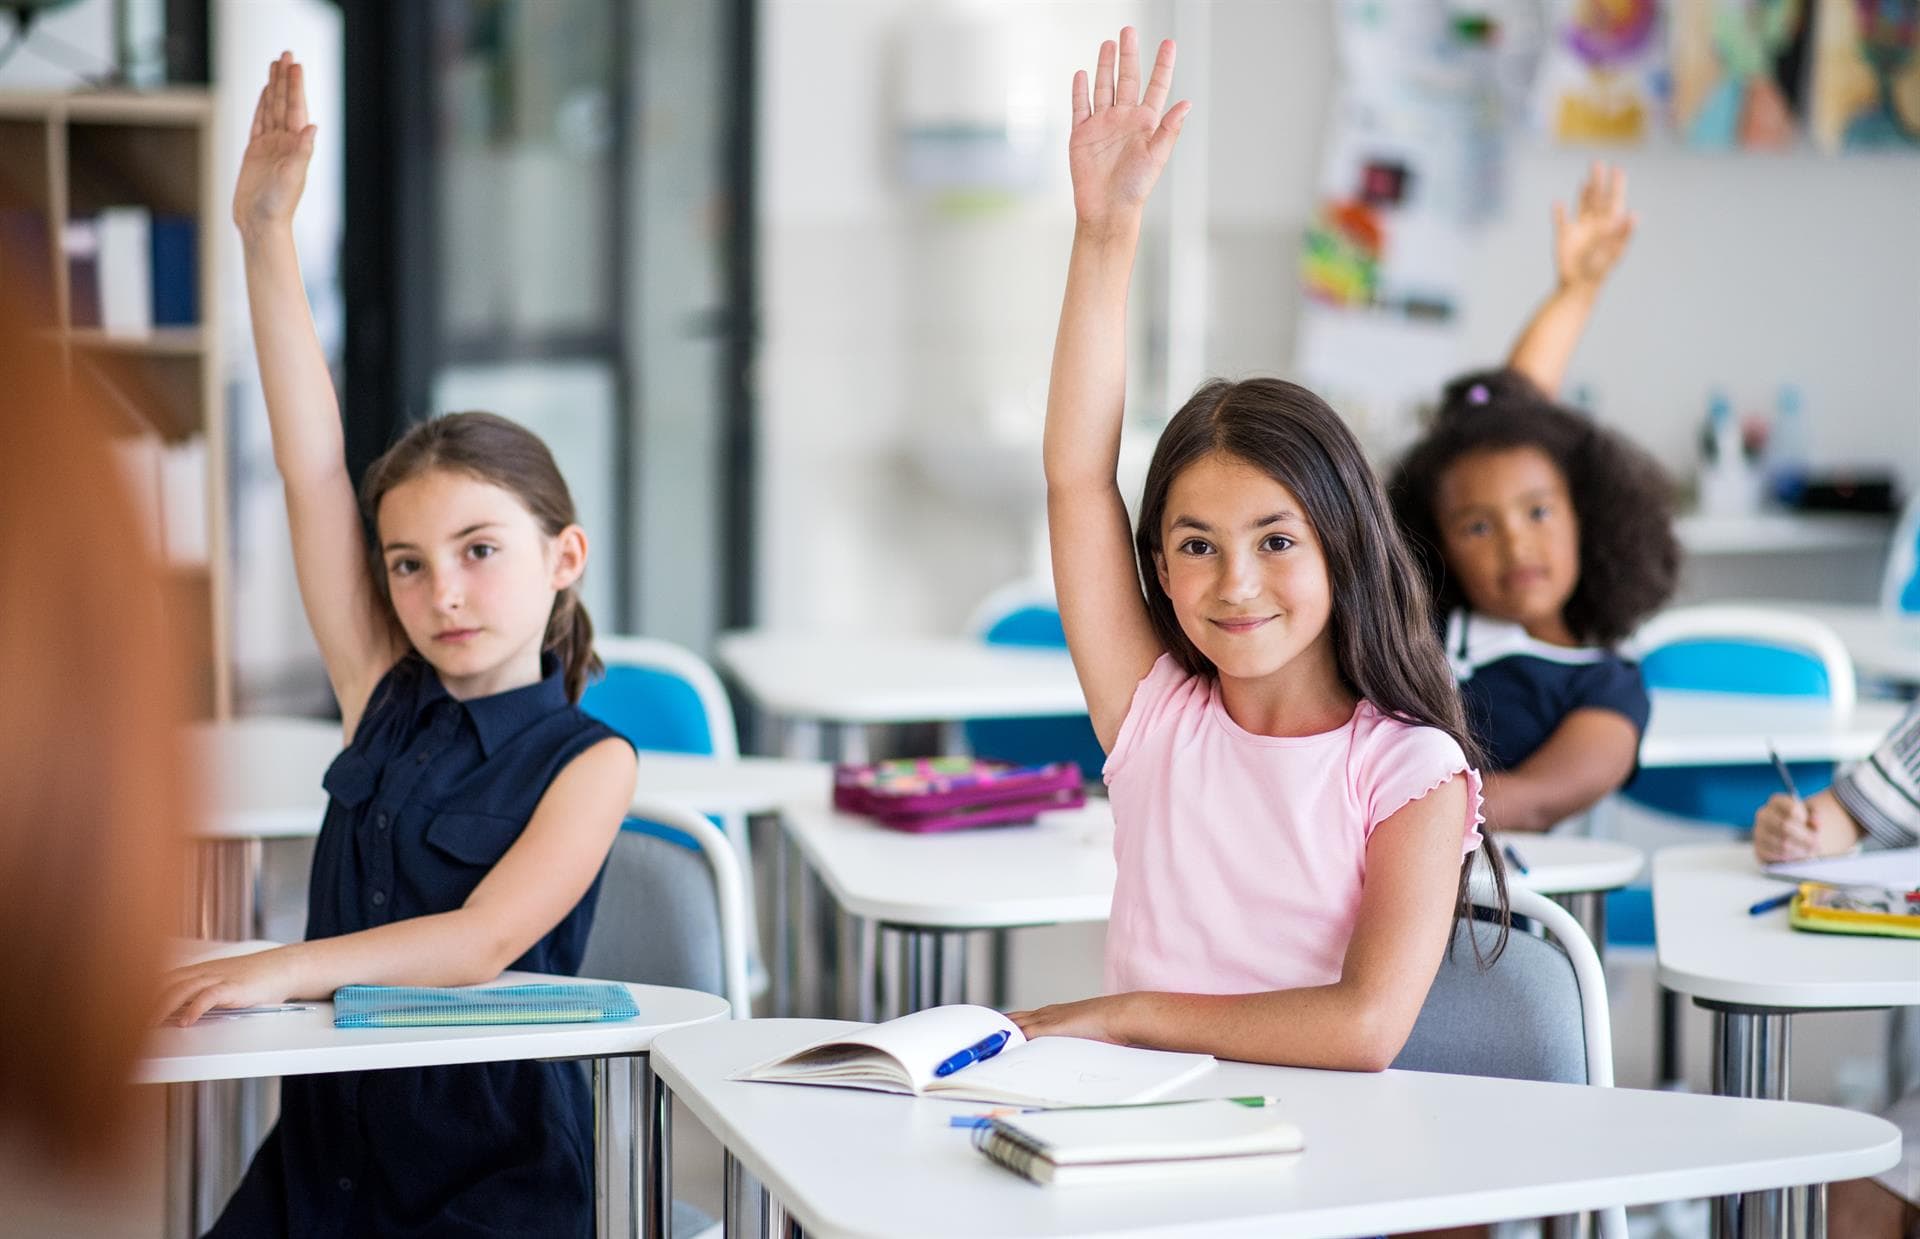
x=1513 y=857
x=1768 y=905
x=974 y=1053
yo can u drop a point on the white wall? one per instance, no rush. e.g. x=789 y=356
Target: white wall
x=892 y=332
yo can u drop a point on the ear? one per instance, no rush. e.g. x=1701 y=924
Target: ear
x=1160 y=571
x=569 y=554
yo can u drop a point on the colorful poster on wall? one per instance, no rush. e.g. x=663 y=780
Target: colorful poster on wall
x=1603 y=76
x=1737 y=67
x=1865 y=91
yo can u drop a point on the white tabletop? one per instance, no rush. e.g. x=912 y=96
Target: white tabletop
x=1060 y=870
x=889 y=679
x=1708 y=729
x=288 y=1043
x=1384 y=1151
x=1709 y=947
x=731 y=785
x=1884 y=645
x=263 y=776
x=1782 y=533
x=1571 y=864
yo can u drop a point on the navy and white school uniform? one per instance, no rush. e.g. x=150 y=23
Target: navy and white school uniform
x=430 y=794
x=1517 y=690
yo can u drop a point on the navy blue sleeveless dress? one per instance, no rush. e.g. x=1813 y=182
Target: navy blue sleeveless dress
x=426 y=799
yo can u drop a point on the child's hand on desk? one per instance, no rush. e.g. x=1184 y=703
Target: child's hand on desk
x=256 y=980
x=1588 y=244
x=1120 y=141
x=273 y=171
x=1783 y=830
x=1097 y=1019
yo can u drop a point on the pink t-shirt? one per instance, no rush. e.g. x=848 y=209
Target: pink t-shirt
x=1240 y=856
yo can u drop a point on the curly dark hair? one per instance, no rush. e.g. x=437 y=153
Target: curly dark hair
x=1629 y=557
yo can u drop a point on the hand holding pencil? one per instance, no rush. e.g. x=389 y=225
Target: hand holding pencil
x=1783 y=829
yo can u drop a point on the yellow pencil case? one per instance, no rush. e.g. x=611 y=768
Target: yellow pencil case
x=1852 y=910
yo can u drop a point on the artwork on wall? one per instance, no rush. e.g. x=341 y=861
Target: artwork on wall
x=1737 y=67
x=1865 y=86
x=1603 y=76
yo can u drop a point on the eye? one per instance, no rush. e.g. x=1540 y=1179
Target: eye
x=403 y=567
x=1476 y=529
x=1196 y=546
x=481 y=550
x=1539 y=512
x=1275 y=542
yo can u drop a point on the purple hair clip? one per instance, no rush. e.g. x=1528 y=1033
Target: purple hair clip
x=1477 y=394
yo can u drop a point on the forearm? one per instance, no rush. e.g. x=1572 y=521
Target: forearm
x=308 y=443
x=448 y=948
x=1340 y=1026
x=1516 y=800
x=1834 y=829
x=1086 y=394
x=1546 y=343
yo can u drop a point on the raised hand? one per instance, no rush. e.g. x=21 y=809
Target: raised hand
x=1120 y=138
x=1587 y=243
x=273 y=171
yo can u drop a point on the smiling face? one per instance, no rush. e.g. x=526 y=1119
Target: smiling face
x=1511 y=538
x=1244 y=570
x=473 y=578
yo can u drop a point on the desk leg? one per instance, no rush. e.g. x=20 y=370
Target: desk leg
x=920 y=968
x=602 y=1149
x=782 y=962
x=864 y=936
x=1590 y=909
x=1750 y=1060
x=650 y=1179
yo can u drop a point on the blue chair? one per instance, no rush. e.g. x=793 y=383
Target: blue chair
x=664 y=697
x=1722 y=649
x=1025 y=614
x=1900 y=585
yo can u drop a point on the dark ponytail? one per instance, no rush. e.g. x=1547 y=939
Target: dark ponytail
x=508 y=455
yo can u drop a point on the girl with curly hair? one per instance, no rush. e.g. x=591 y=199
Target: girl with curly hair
x=1546 y=539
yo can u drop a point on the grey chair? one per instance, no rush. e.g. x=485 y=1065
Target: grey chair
x=1538 y=1013
x=671 y=912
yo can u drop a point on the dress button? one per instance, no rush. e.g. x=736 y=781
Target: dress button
x=381 y=821
x=346 y=1184
x=379 y=898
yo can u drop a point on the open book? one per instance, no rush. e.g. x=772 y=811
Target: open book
x=905 y=1055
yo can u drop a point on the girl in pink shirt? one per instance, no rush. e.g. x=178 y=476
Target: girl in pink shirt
x=1291 y=777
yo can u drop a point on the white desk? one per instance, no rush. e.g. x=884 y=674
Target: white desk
x=1729 y=729
x=307 y=1043
x=847 y=682
x=721 y=786
x=1754 y=972
x=1384 y=1152
x=932 y=889
x=1884 y=646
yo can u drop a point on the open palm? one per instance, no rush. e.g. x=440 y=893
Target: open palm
x=273 y=171
x=1587 y=244
x=1120 y=139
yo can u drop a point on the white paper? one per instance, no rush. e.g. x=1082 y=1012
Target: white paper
x=1892 y=869
x=126 y=271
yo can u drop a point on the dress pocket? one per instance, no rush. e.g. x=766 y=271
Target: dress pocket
x=474 y=838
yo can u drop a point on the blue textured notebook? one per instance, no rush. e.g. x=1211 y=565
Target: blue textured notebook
x=412 y=1006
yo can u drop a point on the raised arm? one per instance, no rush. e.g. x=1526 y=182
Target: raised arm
x=329 y=549
x=1586 y=246
x=1120 y=143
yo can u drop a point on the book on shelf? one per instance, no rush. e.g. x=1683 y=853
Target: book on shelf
x=971 y=1053
x=130 y=270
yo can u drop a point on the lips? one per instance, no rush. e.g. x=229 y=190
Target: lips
x=1242 y=624
x=456 y=636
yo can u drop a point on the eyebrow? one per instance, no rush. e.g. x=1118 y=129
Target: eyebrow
x=1537 y=493
x=408 y=546
x=1194 y=522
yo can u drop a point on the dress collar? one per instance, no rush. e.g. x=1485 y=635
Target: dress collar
x=499 y=717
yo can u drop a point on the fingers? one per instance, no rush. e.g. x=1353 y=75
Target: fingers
x=1082 y=106
x=1617 y=194
x=1103 y=78
x=296 y=97
x=1169 y=131
x=259 y=114
x=1126 y=90
x=1559 y=219
x=1161 y=83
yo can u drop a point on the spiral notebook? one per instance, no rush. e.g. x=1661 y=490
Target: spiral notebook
x=1102 y=1145
x=413 y=1006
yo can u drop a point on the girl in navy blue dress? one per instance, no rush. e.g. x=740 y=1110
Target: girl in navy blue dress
x=472 y=807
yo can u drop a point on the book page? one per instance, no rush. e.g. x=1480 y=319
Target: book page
x=899 y=1055
x=1073 y=1071
x=1889 y=869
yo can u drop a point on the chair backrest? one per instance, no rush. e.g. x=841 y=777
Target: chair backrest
x=661 y=696
x=1736 y=649
x=1900 y=582
x=1539 y=1012
x=1025 y=614
x=672 y=908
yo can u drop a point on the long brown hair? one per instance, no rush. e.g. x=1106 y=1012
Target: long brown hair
x=508 y=455
x=92 y=795
x=1385 y=646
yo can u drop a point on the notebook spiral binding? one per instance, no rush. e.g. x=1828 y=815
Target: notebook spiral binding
x=1009 y=1148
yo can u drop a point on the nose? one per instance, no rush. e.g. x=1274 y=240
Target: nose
x=447 y=593
x=1239 y=577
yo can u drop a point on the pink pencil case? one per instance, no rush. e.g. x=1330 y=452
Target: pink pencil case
x=926 y=794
